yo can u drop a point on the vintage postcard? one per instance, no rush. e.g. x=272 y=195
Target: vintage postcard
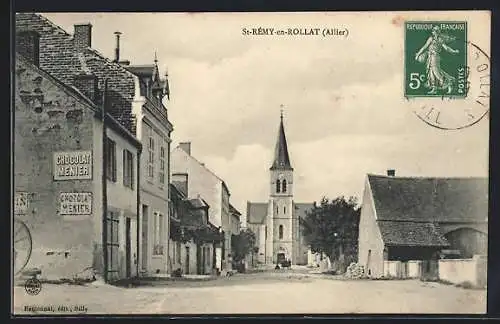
x=251 y=163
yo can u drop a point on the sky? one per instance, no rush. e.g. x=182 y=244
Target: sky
x=344 y=111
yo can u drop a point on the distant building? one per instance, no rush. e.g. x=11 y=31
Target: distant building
x=277 y=223
x=413 y=218
x=59 y=188
x=192 y=236
x=235 y=220
x=135 y=100
x=205 y=183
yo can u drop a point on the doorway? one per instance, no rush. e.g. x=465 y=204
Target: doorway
x=128 y=254
x=186 y=265
x=144 y=237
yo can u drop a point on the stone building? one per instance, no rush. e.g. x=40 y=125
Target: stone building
x=60 y=190
x=205 y=183
x=421 y=219
x=136 y=97
x=192 y=237
x=276 y=223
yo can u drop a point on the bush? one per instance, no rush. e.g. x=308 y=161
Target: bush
x=466 y=285
x=355 y=271
x=177 y=273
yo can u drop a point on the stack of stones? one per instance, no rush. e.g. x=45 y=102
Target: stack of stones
x=355 y=271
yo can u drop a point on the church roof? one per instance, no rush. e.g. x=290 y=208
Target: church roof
x=281 y=157
x=256 y=212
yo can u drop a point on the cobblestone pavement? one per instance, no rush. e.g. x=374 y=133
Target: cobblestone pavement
x=269 y=292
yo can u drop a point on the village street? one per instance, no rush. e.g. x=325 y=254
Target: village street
x=264 y=292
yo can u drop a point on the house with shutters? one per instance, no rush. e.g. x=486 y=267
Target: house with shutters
x=137 y=97
x=422 y=219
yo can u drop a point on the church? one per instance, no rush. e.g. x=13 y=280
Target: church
x=277 y=223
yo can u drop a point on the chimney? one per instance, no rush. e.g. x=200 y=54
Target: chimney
x=186 y=147
x=82 y=37
x=117 y=49
x=391 y=172
x=87 y=83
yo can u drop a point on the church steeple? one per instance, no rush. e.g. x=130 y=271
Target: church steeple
x=281 y=158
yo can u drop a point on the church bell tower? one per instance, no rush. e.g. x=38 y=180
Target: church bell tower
x=280 y=238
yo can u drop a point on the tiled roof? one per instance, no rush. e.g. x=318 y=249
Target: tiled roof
x=197 y=203
x=430 y=199
x=411 y=234
x=256 y=212
x=73 y=91
x=179 y=186
x=59 y=58
x=141 y=70
x=234 y=211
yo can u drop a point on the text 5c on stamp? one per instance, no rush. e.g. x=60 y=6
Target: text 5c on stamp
x=435 y=59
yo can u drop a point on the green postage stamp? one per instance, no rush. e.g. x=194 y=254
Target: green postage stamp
x=436 y=59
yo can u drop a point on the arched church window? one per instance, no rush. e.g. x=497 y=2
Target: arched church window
x=284 y=185
x=278 y=186
x=281 y=232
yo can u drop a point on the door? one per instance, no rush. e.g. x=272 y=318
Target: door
x=128 y=252
x=186 y=264
x=144 y=237
x=200 y=259
x=112 y=246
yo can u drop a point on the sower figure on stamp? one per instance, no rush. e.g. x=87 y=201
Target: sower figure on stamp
x=431 y=54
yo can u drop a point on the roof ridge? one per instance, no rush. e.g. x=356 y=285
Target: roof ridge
x=428 y=177
x=109 y=61
x=72 y=90
x=200 y=163
x=59 y=28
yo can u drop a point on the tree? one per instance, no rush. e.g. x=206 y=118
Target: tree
x=242 y=244
x=332 y=228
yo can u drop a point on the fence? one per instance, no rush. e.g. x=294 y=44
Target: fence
x=452 y=270
x=464 y=270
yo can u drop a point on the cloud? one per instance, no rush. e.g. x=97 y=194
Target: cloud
x=345 y=115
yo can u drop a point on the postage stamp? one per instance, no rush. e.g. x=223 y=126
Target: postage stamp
x=435 y=59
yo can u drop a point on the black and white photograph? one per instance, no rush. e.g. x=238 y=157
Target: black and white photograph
x=250 y=163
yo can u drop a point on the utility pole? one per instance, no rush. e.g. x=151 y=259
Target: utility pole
x=104 y=183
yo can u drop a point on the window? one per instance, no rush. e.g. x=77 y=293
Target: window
x=110 y=154
x=277 y=210
x=284 y=209
x=151 y=153
x=162 y=165
x=158 y=234
x=284 y=185
x=280 y=232
x=278 y=186
x=128 y=169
